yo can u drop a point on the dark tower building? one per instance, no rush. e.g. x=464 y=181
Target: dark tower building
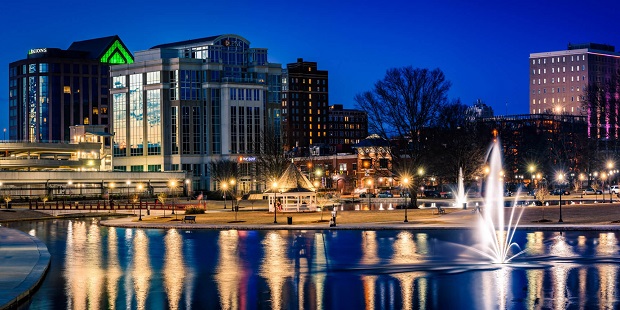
x=53 y=89
x=305 y=105
x=347 y=127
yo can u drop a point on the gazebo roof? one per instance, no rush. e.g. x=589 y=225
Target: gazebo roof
x=293 y=181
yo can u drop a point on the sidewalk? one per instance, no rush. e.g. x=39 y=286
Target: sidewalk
x=24 y=260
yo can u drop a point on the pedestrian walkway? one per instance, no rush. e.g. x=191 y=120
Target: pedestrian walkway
x=24 y=260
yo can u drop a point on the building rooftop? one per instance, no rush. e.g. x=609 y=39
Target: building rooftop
x=187 y=42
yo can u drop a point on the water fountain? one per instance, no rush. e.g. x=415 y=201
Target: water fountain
x=460 y=197
x=497 y=233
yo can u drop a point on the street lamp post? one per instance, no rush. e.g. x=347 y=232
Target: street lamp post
x=224 y=188
x=610 y=166
x=233 y=189
x=274 y=186
x=128 y=183
x=173 y=185
x=561 y=180
x=581 y=178
x=140 y=205
x=369 y=182
x=406 y=181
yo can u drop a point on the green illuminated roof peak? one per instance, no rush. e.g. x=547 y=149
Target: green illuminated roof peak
x=117 y=54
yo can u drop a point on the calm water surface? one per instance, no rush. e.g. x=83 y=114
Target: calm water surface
x=95 y=267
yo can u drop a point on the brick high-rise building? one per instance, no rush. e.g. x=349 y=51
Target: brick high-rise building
x=347 y=127
x=305 y=105
x=558 y=79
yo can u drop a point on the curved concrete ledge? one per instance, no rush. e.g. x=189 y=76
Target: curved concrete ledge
x=412 y=225
x=24 y=261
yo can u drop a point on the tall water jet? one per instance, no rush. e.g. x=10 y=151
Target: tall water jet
x=460 y=197
x=497 y=234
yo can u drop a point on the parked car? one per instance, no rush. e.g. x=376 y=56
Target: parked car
x=559 y=191
x=446 y=194
x=365 y=195
x=431 y=193
x=507 y=193
x=591 y=191
x=615 y=189
x=385 y=195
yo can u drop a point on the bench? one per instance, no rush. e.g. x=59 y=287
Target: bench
x=440 y=210
x=189 y=219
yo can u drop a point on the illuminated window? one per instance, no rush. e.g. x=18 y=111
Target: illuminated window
x=95 y=111
x=67 y=89
x=86 y=121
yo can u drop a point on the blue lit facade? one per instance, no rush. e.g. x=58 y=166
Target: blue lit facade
x=182 y=105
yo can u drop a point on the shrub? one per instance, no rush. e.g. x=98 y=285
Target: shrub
x=194 y=210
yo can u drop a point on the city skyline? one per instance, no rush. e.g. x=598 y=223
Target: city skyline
x=482 y=47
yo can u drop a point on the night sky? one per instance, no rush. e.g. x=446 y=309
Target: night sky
x=482 y=46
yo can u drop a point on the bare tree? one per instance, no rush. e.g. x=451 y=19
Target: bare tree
x=454 y=143
x=271 y=159
x=404 y=102
x=399 y=107
x=223 y=170
x=601 y=101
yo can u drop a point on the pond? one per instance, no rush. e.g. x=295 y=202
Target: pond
x=104 y=267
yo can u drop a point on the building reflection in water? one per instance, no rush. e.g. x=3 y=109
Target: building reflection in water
x=608 y=273
x=228 y=272
x=83 y=271
x=320 y=267
x=276 y=267
x=141 y=270
x=535 y=243
x=174 y=268
x=535 y=278
x=113 y=270
x=405 y=254
x=122 y=268
x=369 y=256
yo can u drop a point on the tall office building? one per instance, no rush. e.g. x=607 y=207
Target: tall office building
x=558 y=79
x=347 y=127
x=184 y=105
x=53 y=89
x=305 y=105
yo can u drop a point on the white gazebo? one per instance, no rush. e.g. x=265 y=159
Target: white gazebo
x=292 y=193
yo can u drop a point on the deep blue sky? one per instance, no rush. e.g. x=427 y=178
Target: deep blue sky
x=482 y=46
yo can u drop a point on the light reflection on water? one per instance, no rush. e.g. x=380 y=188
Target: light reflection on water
x=99 y=267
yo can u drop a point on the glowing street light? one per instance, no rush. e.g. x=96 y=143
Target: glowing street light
x=406 y=181
x=140 y=188
x=369 y=182
x=561 y=181
x=274 y=186
x=224 y=188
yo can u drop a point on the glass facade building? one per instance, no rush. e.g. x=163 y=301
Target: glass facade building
x=184 y=105
x=53 y=89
